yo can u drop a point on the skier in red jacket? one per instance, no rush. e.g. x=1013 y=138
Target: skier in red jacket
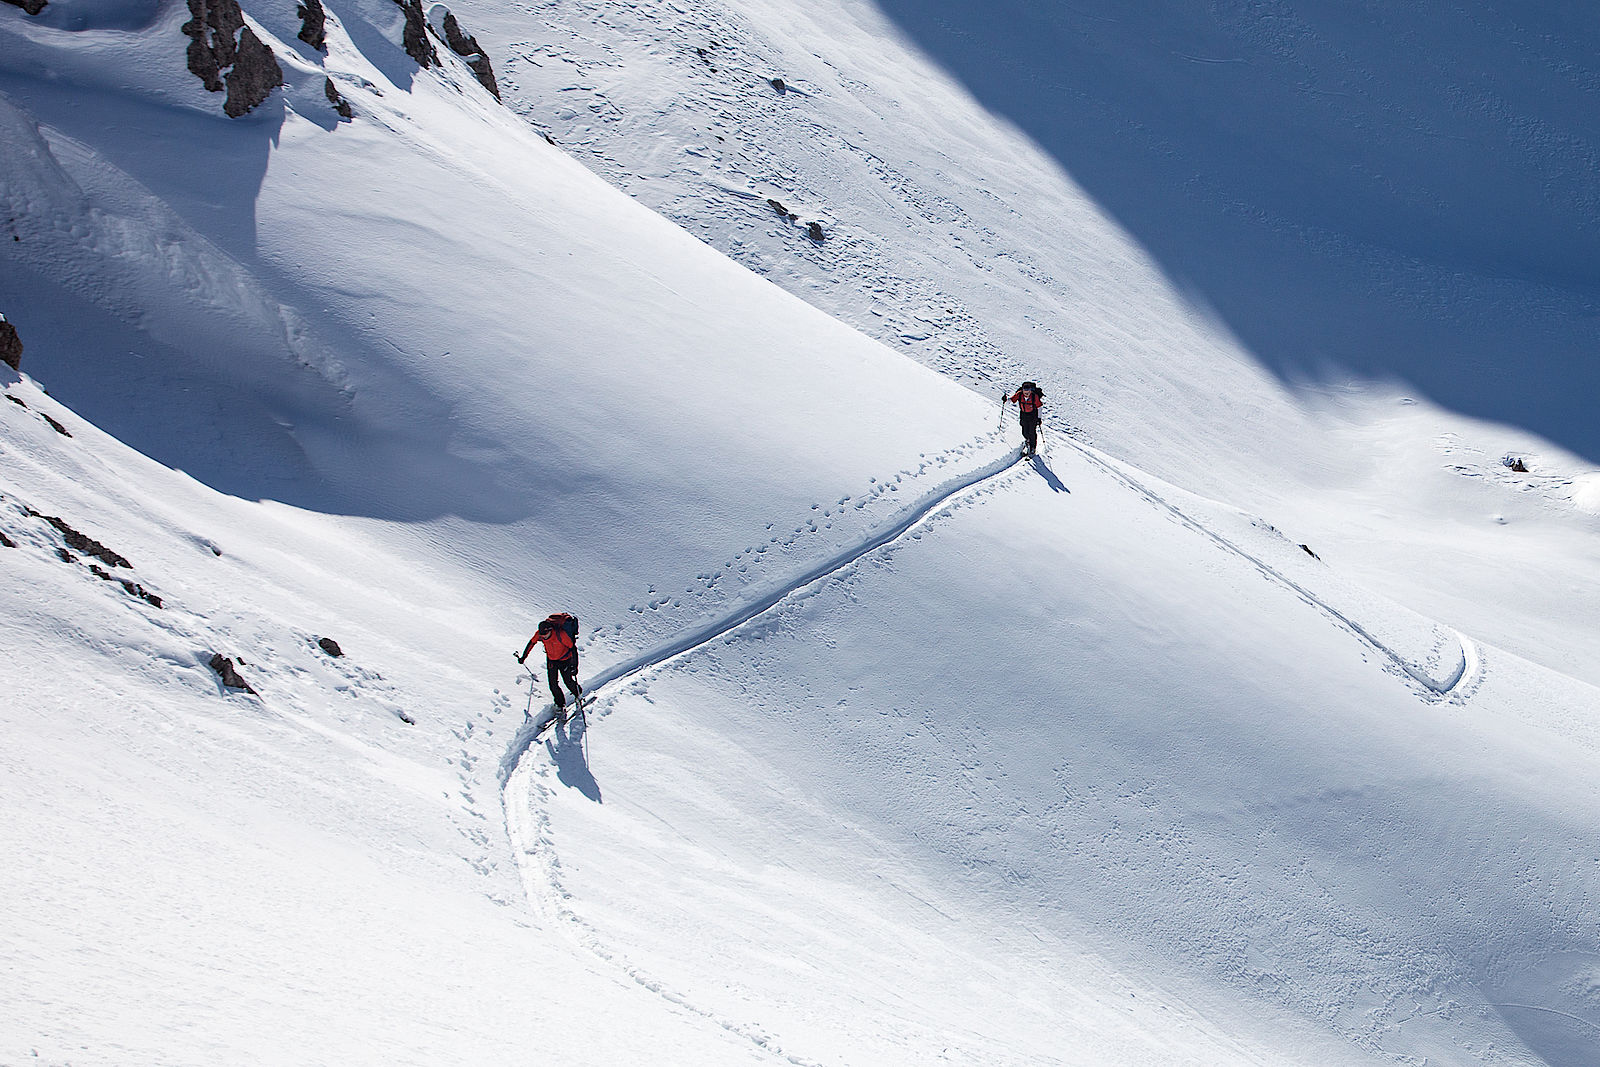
x=1029 y=399
x=559 y=634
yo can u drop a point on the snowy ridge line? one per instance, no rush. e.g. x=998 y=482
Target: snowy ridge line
x=1468 y=654
x=708 y=632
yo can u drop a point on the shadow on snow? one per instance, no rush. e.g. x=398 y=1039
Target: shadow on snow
x=1397 y=192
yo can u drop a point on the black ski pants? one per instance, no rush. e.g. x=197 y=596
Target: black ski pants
x=563 y=670
x=1030 y=429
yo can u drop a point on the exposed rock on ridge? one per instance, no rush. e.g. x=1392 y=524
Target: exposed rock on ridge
x=415 y=38
x=313 y=24
x=220 y=41
x=466 y=46
x=10 y=345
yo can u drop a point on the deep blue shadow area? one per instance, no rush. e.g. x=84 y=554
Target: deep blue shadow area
x=210 y=386
x=1396 y=191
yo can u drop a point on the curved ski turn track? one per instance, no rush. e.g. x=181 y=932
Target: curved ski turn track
x=1437 y=688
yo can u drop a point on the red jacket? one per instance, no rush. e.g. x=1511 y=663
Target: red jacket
x=1028 y=400
x=557 y=644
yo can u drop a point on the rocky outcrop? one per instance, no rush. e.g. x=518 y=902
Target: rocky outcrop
x=313 y=24
x=213 y=32
x=254 y=75
x=340 y=104
x=225 y=54
x=330 y=646
x=415 y=38
x=466 y=46
x=226 y=672
x=130 y=587
x=32 y=7
x=85 y=544
x=10 y=345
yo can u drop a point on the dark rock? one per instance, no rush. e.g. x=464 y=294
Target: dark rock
x=54 y=425
x=212 y=31
x=220 y=41
x=135 y=589
x=10 y=345
x=415 y=37
x=254 y=75
x=313 y=24
x=100 y=573
x=17 y=400
x=225 y=670
x=466 y=46
x=340 y=104
x=1517 y=464
x=814 y=231
x=1310 y=553
x=32 y=7
x=6 y=542
x=778 y=84
x=778 y=207
x=403 y=717
x=330 y=646
x=66 y=557
x=87 y=545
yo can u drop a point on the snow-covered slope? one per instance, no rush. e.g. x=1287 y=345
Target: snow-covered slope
x=901 y=749
x=1245 y=249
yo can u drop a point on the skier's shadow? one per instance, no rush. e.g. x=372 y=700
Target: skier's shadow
x=567 y=745
x=569 y=750
x=1049 y=475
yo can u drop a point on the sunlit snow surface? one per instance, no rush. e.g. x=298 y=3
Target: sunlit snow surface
x=1239 y=727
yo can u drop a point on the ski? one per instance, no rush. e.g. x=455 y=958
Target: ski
x=561 y=716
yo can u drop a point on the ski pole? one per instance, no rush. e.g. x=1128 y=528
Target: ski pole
x=1002 y=426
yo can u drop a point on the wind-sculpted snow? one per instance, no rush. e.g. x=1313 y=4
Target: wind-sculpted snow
x=1084 y=759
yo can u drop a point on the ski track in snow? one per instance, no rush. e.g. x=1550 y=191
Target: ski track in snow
x=701 y=635
x=1433 y=688
x=525 y=791
x=528 y=824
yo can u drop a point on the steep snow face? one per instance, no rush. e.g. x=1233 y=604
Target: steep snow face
x=899 y=749
x=1082 y=198
x=1395 y=196
x=1400 y=194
